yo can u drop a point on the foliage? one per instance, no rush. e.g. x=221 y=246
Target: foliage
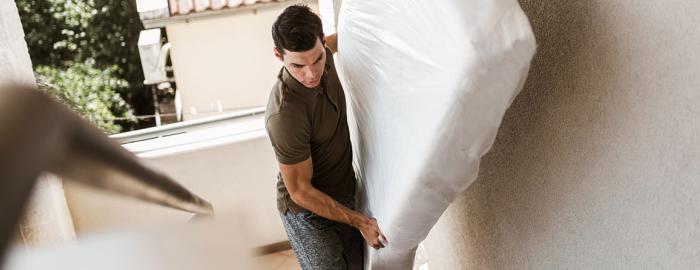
x=89 y=91
x=82 y=37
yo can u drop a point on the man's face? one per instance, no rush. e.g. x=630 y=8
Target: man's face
x=306 y=67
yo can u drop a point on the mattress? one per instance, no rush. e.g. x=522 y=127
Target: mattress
x=429 y=83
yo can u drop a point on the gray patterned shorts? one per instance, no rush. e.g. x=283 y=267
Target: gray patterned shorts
x=320 y=243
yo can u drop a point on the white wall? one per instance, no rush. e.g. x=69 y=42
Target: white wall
x=597 y=163
x=225 y=59
x=46 y=220
x=15 y=64
x=232 y=166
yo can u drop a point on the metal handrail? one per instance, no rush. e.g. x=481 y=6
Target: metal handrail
x=38 y=134
x=181 y=127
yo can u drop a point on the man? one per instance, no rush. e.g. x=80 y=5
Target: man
x=307 y=124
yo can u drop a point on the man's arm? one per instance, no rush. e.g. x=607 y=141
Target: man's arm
x=297 y=179
x=332 y=42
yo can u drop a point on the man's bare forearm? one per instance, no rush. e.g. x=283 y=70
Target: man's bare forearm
x=323 y=205
x=297 y=179
x=332 y=42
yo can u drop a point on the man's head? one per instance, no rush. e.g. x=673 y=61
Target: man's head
x=298 y=37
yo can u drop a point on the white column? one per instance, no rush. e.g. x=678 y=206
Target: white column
x=47 y=219
x=16 y=65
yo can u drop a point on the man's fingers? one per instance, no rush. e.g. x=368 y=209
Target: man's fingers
x=379 y=241
x=382 y=239
x=377 y=245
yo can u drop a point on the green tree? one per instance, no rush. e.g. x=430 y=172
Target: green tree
x=87 y=38
x=88 y=91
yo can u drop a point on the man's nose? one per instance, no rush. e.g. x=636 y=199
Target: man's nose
x=311 y=74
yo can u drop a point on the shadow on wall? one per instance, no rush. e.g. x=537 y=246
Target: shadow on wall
x=528 y=148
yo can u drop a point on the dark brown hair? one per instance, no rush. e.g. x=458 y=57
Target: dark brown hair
x=297 y=29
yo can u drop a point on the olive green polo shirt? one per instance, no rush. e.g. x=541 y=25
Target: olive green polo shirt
x=304 y=122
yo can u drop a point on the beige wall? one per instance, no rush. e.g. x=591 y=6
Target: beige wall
x=597 y=163
x=235 y=175
x=46 y=219
x=226 y=59
x=15 y=64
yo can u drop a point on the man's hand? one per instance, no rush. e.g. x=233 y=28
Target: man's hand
x=332 y=42
x=373 y=236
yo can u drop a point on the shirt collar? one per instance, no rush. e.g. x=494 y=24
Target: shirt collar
x=295 y=85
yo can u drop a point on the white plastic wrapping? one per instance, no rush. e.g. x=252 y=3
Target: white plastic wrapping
x=429 y=82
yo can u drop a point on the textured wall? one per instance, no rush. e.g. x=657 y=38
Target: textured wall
x=47 y=219
x=15 y=64
x=597 y=163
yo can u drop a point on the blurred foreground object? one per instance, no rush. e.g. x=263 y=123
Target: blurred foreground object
x=39 y=135
x=212 y=244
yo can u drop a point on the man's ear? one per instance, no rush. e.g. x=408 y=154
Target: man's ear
x=278 y=54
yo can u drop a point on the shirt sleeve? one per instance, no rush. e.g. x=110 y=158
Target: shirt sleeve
x=290 y=138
